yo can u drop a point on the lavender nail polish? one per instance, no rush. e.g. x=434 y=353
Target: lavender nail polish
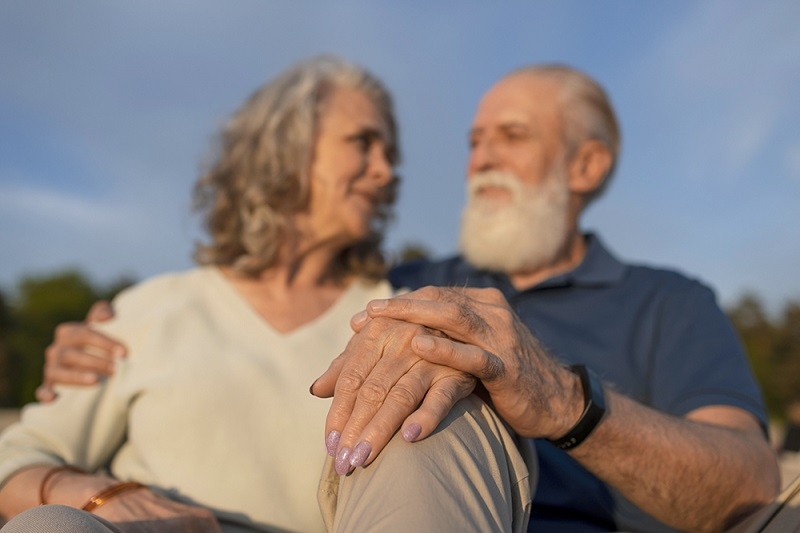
x=342 y=464
x=360 y=454
x=332 y=442
x=411 y=433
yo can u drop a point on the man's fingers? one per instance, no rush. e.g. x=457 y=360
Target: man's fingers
x=464 y=357
x=45 y=394
x=71 y=376
x=100 y=311
x=466 y=315
x=77 y=335
x=81 y=361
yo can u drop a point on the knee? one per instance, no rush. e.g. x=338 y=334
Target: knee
x=54 y=518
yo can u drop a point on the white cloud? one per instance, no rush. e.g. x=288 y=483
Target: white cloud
x=51 y=207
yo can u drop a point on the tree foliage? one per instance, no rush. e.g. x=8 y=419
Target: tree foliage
x=27 y=323
x=773 y=346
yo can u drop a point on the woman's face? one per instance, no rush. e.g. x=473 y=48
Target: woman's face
x=349 y=170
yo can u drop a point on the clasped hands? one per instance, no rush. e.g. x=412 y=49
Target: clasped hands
x=414 y=356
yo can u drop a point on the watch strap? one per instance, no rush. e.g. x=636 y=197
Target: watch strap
x=594 y=407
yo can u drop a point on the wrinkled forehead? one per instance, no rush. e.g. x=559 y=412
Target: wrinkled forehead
x=519 y=98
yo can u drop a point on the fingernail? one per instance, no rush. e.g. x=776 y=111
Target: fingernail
x=118 y=351
x=332 y=442
x=359 y=317
x=411 y=433
x=342 y=464
x=423 y=344
x=360 y=454
x=89 y=379
x=311 y=389
x=378 y=305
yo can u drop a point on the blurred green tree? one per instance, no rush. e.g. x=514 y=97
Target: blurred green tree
x=40 y=304
x=412 y=251
x=773 y=347
x=5 y=352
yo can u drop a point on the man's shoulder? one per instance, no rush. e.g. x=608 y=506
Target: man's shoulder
x=664 y=278
x=422 y=272
x=670 y=287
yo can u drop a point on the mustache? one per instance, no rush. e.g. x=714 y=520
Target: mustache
x=494 y=179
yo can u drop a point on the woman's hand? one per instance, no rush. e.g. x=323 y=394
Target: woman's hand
x=144 y=511
x=379 y=386
x=78 y=354
x=138 y=510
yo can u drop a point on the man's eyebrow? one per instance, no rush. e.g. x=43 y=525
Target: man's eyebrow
x=373 y=132
x=503 y=126
x=514 y=124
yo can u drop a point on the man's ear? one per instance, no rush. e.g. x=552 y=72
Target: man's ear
x=589 y=167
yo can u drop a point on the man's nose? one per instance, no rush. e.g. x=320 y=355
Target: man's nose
x=482 y=156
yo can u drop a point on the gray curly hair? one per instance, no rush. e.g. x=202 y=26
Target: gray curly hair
x=260 y=177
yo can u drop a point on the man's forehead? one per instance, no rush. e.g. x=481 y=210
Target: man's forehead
x=521 y=100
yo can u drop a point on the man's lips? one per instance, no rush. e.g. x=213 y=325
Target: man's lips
x=493 y=191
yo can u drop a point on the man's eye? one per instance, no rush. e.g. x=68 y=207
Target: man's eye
x=514 y=135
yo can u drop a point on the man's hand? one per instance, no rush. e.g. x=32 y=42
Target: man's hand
x=379 y=385
x=539 y=397
x=536 y=395
x=79 y=355
x=381 y=375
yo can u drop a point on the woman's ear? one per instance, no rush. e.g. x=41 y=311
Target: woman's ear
x=589 y=167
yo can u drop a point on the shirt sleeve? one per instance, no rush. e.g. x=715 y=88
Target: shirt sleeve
x=698 y=359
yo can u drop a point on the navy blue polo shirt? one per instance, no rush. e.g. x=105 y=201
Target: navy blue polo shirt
x=653 y=334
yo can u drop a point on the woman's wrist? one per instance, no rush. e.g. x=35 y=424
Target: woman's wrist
x=75 y=489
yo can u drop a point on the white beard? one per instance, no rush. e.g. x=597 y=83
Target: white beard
x=517 y=236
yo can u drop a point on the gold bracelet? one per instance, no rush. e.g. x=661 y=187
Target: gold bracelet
x=106 y=494
x=49 y=475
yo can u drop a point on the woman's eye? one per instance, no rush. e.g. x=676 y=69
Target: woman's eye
x=364 y=142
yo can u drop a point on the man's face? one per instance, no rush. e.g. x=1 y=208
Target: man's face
x=517 y=218
x=517 y=129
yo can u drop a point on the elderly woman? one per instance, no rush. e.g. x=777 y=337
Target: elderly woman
x=208 y=423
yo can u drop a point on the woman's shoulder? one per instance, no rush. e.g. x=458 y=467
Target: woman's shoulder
x=372 y=289
x=173 y=288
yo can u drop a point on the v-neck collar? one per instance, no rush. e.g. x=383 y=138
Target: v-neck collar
x=225 y=289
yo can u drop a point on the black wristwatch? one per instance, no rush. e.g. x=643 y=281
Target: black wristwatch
x=594 y=407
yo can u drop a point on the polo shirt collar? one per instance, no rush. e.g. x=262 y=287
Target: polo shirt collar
x=598 y=268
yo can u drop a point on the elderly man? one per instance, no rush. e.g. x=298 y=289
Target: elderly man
x=666 y=428
x=629 y=381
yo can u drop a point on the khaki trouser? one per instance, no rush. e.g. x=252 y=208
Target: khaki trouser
x=467 y=476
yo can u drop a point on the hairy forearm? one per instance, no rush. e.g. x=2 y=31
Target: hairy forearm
x=691 y=475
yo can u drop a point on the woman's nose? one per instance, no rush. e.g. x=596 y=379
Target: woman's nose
x=380 y=169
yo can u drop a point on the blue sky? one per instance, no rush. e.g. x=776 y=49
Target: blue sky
x=108 y=110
